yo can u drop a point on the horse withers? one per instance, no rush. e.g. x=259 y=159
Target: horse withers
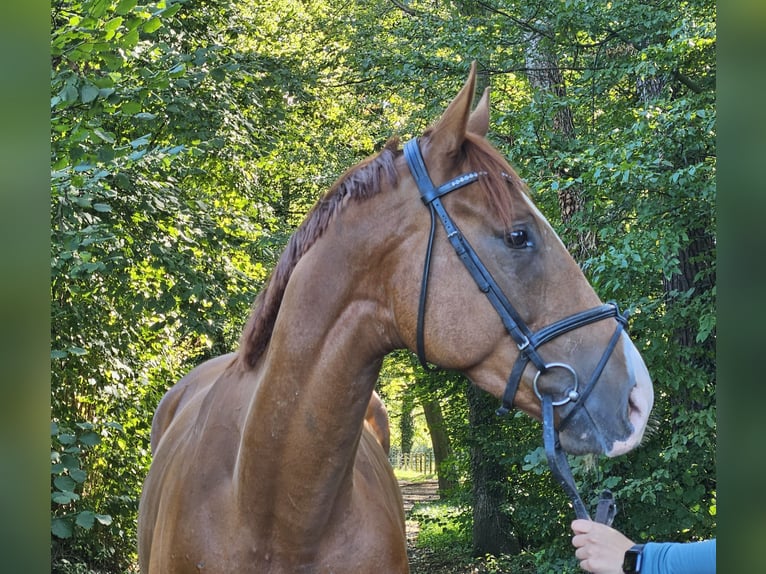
x=263 y=461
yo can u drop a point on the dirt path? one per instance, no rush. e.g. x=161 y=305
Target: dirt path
x=412 y=493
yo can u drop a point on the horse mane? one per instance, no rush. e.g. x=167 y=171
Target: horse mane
x=500 y=183
x=360 y=182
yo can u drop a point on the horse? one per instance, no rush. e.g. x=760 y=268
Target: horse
x=262 y=460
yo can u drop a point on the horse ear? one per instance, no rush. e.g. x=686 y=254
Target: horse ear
x=478 y=123
x=449 y=132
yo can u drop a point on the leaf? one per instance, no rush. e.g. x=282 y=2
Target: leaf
x=64 y=497
x=113 y=24
x=78 y=475
x=125 y=6
x=171 y=10
x=61 y=528
x=130 y=107
x=91 y=439
x=88 y=93
x=98 y=8
x=103 y=135
x=102 y=207
x=121 y=180
x=130 y=39
x=152 y=25
x=85 y=519
x=104 y=519
x=66 y=438
x=64 y=483
x=70 y=461
x=68 y=94
x=140 y=142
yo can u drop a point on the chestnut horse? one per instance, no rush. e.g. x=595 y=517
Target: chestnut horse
x=262 y=460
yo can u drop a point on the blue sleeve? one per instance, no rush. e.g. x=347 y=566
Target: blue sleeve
x=679 y=558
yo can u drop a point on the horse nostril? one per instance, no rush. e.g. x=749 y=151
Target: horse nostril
x=635 y=411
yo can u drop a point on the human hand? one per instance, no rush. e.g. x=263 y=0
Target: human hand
x=600 y=548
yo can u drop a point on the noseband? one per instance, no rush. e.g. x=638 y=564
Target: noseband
x=527 y=341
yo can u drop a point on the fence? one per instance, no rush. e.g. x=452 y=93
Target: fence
x=422 y=462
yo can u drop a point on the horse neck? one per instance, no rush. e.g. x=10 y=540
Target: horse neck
x=315 y=381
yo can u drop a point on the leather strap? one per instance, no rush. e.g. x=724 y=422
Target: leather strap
x=557 y=460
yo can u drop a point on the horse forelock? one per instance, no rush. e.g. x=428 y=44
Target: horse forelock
x=499 y=181
x=360 y=182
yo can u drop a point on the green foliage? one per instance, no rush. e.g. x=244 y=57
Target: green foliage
x=68 y=478
x=71 y=486
x=442 y=528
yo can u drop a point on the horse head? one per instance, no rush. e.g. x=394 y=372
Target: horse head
x=556 y=336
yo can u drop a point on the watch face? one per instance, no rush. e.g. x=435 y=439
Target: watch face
x=632 y=562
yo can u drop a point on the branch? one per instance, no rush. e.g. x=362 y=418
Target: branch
x=688 y=82
x=521 y=23
x=404 y=8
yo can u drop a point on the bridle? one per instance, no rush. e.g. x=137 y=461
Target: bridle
x=526 y=340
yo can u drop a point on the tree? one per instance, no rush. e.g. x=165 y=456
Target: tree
x=441 y=444
x=177 y=175
x=492 y=532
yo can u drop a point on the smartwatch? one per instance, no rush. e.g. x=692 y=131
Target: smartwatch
x=633 y=559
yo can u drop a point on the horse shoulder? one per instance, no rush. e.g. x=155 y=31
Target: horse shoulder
x=198 y=380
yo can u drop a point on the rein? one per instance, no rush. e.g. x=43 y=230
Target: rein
x=526 y=340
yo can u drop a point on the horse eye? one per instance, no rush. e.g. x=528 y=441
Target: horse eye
x=517 y=239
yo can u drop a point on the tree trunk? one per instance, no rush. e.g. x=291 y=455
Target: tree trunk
x=491 y=524
x=693 y=274
x=545 y=76
x=692 y=259
x=440 y=443
x=406 y=423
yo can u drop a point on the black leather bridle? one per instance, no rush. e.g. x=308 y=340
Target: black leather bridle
x=527 y=341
